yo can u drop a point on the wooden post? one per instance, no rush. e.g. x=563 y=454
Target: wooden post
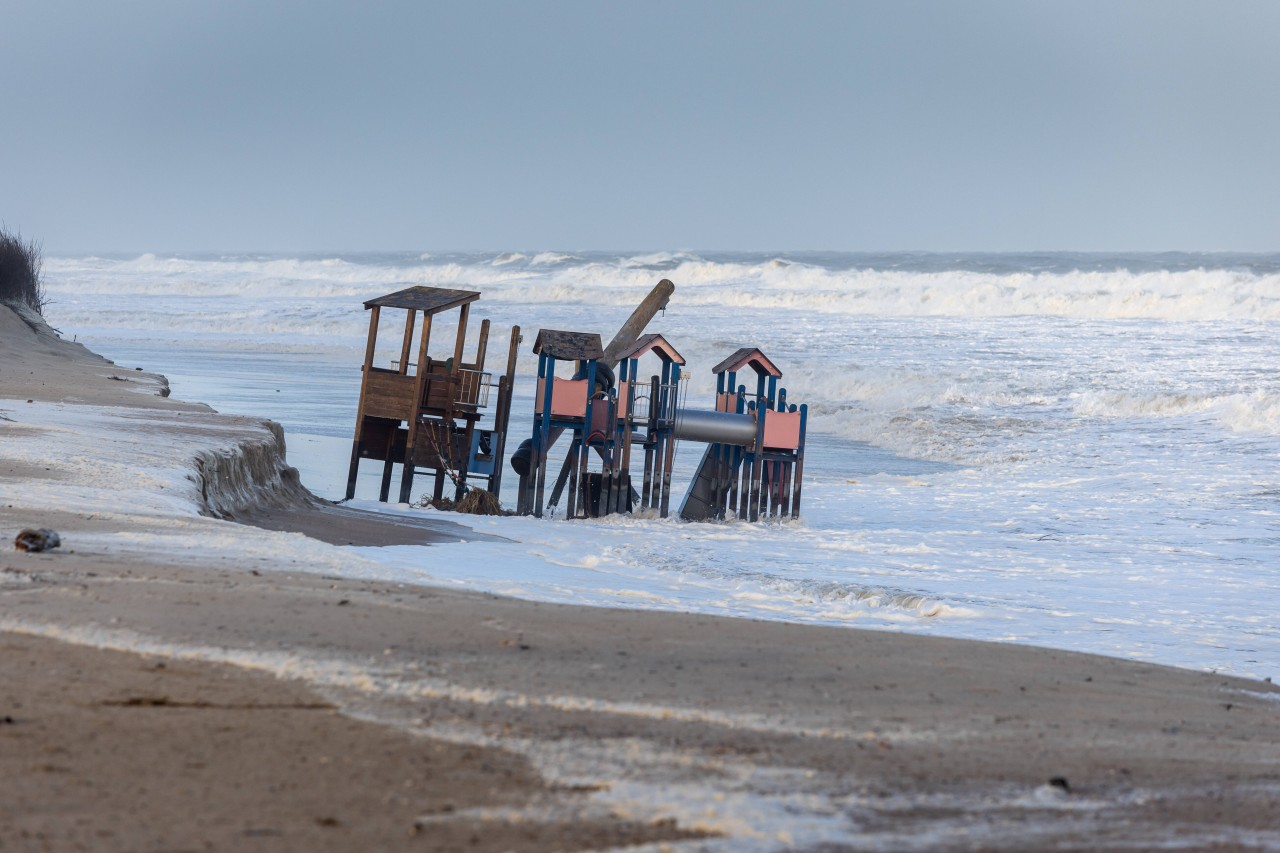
x=804 y=419
x=622 y=430
x=450 y=414
x=757 y=462
x=461 y=338
x=784 y=506
x=736 y=472
x=405 y=347
x=384 y=491
x=414 y=414
x=578 y=473
x=502 y=414
x=634 y=326
x=482 y=346
x=374 y=314
x=648 y=473
x=668 y=460
x=571 y=505
x=542 y=432
x=652 y=453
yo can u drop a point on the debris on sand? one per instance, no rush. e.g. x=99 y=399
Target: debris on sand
x=33 y=540
x=479 y=502
x=474 y=502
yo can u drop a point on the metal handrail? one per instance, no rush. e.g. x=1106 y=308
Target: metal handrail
x=474 y=383
x=641 y=406
x=474 y=386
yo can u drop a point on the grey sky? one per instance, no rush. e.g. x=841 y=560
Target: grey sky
x=170 y=126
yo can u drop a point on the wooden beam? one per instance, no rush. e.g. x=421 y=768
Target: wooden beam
x=419 y=388
x=408 y=341
x=374 y=314
x=483 y=345
x=462 y=338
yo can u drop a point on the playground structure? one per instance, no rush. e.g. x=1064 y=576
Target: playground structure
x=573 y=405
x=655 y=405
x=427 y=415
x=753 y=464
x=754 y=461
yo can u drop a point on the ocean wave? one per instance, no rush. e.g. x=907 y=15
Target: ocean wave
x=543 y=259
x=762 y=284
x=928 y=434
x=657 y=260
x=840 y=600
x=1178 y=296
x=275 y=277
x=1255 y=412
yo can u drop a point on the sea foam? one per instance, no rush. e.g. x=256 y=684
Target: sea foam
x=1070 y=450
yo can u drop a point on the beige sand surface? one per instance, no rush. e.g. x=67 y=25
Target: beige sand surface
x=514 y=725
x=104 y=750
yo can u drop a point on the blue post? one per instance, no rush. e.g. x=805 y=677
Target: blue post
x=804 y=422
x=542 y=429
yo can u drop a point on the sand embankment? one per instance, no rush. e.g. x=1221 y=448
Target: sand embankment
x=257 y=659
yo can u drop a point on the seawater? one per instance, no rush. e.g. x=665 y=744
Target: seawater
x=1070 y=450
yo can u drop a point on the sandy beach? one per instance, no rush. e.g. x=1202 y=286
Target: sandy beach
x=189 y=671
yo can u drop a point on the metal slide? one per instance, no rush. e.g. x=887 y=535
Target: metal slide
x=706 y=492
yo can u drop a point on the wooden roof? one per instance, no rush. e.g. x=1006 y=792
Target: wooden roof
x=568 y=345
x=429 y=300
x=758 y=361
x=657 y=343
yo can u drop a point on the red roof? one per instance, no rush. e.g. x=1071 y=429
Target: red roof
x=655 y=343
x=758 y=361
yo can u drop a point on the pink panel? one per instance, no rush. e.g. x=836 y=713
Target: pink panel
x=568 y=397
x=600 y=426
x=624 y=391
x=726 y=402
x=782 y=430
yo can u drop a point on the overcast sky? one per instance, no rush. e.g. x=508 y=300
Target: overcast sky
x=315 y=125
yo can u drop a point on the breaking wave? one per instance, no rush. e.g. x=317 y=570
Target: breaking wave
x=1255 y=412
x=906 y=285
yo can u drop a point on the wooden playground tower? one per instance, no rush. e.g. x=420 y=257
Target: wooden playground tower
x=426 y=415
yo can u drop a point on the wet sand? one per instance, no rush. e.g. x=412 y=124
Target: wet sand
x=111 y=751
x=229 y=699
x=340 y=525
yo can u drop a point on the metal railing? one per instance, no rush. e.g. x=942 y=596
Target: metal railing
x=670 y=393
x=474 y=386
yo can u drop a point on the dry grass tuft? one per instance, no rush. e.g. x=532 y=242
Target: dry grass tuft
x=480 y=502
x=474 y=502
x=20 y=266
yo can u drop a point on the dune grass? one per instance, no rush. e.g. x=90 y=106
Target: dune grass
x=20 y=265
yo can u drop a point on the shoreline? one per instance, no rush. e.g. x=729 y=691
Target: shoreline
x=767 y=735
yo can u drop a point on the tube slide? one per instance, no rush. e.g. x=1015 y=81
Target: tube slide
x=715 y=427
